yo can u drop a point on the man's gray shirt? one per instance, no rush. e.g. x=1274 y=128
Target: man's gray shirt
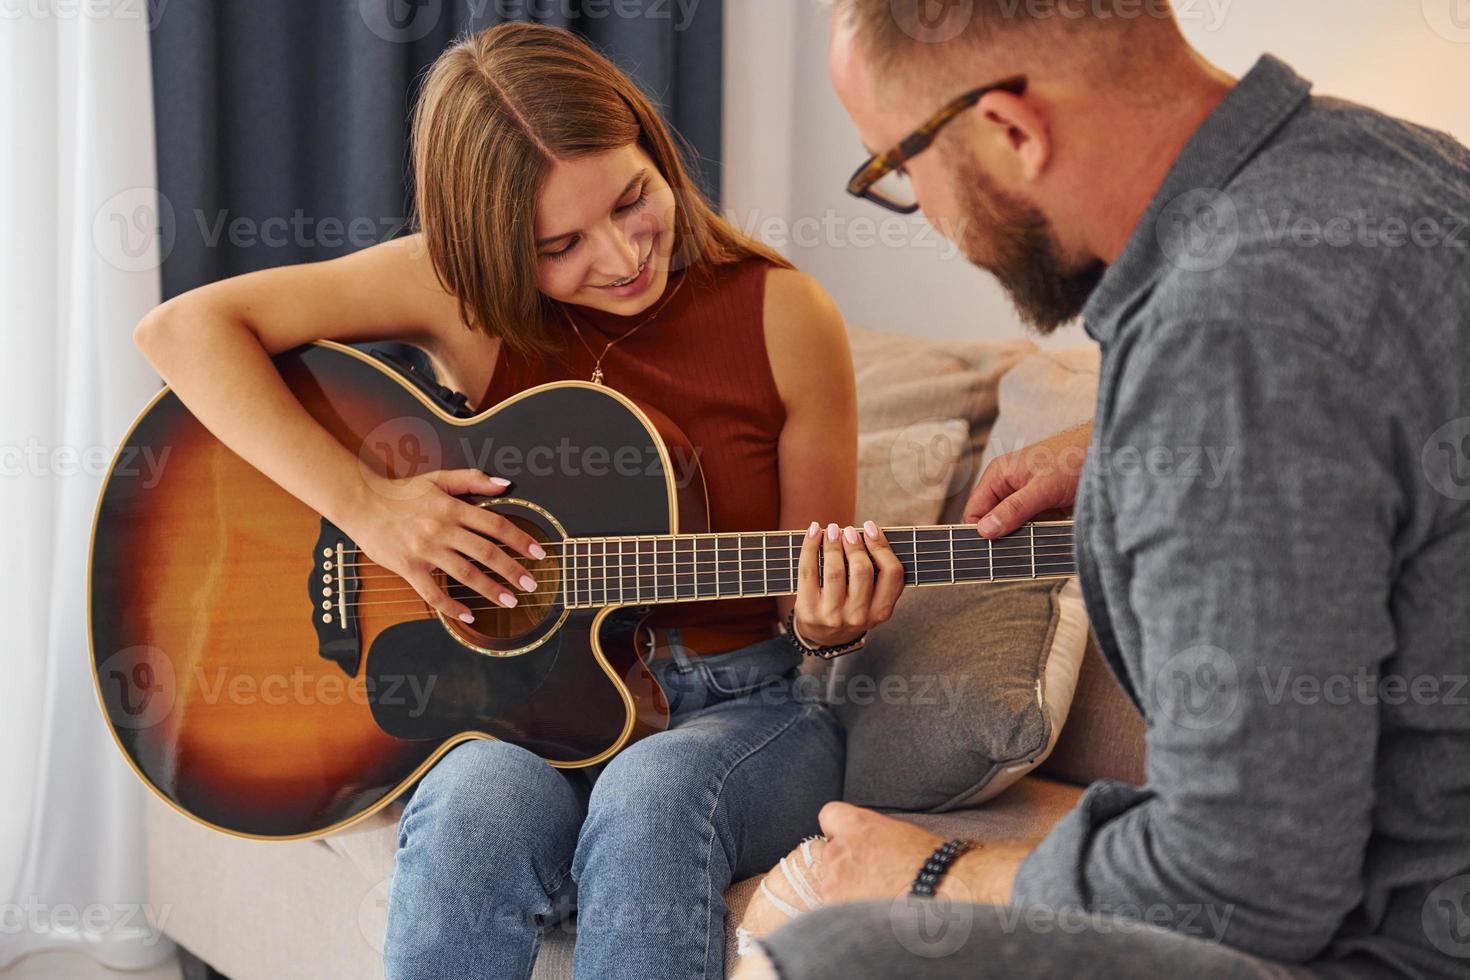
x=1274 y=542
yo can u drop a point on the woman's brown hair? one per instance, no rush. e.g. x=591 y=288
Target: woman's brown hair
x=497 y=109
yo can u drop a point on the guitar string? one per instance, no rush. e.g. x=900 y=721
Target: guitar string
x=719 y=539
x=1042 y=568
x=738 y=552
x=613 y=574
x=617 y=571
x=616 y=568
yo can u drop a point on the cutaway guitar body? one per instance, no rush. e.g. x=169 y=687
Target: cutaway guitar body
x=266 y=679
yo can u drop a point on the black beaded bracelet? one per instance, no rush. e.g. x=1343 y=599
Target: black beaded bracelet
x=934 y=869
x=825 y=653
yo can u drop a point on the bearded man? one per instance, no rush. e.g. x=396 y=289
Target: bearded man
x=1267 y=272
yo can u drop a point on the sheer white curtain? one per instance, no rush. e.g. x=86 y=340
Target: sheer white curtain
x=79 y=256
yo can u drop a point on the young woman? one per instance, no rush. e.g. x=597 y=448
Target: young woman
x=561 y=239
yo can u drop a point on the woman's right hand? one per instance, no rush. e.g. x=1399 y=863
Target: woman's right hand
x=414 y=525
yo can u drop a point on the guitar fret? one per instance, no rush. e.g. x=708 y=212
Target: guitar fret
x=739 y=565
x=685 y=567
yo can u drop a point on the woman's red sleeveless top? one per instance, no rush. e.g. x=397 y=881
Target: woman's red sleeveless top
x=702 y=362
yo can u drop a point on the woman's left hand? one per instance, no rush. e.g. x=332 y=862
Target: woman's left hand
x=855 y=589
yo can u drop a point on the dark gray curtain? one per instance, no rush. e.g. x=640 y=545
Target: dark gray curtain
x=283 y=124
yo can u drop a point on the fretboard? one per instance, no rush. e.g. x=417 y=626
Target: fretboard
x=683 y=568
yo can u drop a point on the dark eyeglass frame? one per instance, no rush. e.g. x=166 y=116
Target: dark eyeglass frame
x=880 y=166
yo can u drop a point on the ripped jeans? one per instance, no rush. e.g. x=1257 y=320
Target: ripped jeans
x=495 y=845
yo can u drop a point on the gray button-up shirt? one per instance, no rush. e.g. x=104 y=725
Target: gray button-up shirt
x=1274 y=543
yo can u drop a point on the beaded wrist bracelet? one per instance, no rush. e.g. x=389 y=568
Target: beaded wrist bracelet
x=934 y=869
x=825 y=653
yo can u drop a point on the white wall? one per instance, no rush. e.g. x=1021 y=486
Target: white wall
x=790 y=148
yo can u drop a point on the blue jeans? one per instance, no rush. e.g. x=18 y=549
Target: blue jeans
x=495 y=845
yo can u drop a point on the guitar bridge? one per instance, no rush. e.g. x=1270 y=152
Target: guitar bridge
x=332 y=589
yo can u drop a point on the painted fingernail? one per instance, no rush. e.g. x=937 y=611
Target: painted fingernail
x=508 y=601
x=538 y=552
x=990 y=525
x=467 y=617
x=528 y=583
x=871 y=530
x=832 y=532
x=499 y=482
x=814 y=530
x=851 y=535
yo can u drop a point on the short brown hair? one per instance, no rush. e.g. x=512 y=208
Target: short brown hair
x=895 y=34
x=497 y=109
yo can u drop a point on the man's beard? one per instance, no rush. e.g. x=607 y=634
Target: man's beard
x=1016 y=243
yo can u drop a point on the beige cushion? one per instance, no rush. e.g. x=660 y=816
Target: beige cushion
x=904 y=474
x=1048 y=391
x=902 y=380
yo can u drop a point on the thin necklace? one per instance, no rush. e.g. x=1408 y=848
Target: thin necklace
x=597 y=366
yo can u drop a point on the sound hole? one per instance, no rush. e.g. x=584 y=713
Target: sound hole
x=496 y=629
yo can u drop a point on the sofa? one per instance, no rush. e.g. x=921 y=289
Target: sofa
x=255 y=910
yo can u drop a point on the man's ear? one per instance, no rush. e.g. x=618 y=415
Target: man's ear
x=1024 y=130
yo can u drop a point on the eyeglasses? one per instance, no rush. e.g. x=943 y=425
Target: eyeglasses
x=882 y=179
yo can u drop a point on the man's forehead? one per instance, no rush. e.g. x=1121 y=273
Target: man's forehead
x=875 y=116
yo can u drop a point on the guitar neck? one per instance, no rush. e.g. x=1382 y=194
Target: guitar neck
x=660 y=569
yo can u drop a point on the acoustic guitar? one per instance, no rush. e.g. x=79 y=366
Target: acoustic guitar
x=264 y=677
